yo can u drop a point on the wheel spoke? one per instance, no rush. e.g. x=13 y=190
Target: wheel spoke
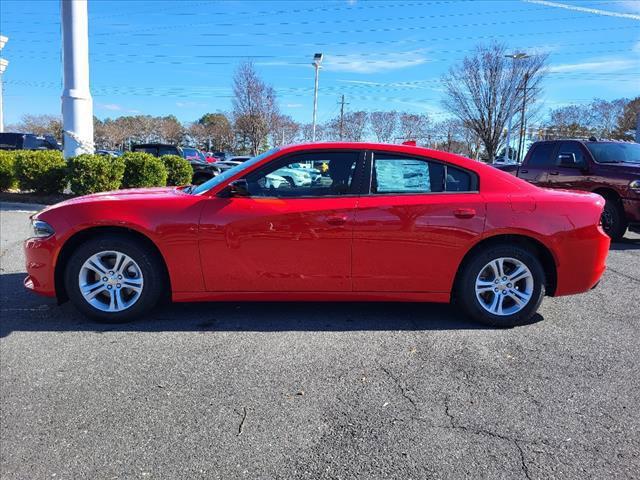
x=519 y=274
x=521 y=298
x=120 y=261
x=498 y=267
x=96 y=266
x=90 y=291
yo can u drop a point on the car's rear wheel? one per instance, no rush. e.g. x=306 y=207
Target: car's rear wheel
x=613 y=221
x=501 y=286
x=113 y=278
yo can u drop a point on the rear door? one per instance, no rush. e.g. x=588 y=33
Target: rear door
x=540 y=159
x=413 y=227
x=570 y=170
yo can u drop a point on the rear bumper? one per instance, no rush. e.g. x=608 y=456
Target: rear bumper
x=581 y=260
x=39 y=254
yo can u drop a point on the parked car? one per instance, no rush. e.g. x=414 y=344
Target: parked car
x=109 y=153
x=609 y=168
x=239 y=158
x=202 y=171
x=466 y=232
x=295 y=176
x=28 y=141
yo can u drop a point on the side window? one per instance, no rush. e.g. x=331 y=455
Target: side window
x=168 y=151
x=541 y=155
x=567 y=148
x=314 y=174
x=151 y=150
x=396 y=174
x=460 y=181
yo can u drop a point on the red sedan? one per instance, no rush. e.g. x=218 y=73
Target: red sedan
x=380 y=223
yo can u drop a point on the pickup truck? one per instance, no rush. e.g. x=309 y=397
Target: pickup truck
x=609 y=168
x=202 y=170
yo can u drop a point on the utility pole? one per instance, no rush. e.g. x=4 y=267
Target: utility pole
x=3 y=66
x=522 y=120
x=317 y=60
x=342 y=104
x=515 y=57
x=77 y=104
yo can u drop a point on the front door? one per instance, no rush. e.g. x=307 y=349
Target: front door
x=414 y=227
x=293 y=232
x=570 y=169
x=538 y=162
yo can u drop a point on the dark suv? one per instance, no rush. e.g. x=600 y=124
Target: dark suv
x=609 y=168
x=28 y=141
x=202 y=171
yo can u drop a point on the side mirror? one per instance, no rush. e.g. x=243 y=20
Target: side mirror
x=237 y=188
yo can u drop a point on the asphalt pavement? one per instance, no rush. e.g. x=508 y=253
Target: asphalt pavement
x=315 y=391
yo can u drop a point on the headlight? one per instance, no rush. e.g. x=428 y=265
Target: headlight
x=41 y=229
x=635 y=186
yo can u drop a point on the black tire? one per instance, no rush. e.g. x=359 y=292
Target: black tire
x=152 y=272
x=614 y=222
x=465 y=294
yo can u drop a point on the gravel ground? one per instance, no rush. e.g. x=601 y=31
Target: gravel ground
x=291 y=390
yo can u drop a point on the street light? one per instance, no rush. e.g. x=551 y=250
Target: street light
x=3 y=66
x=317 y=60
x=514 y=57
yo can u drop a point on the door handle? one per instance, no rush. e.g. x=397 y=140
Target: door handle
x=554 y=173
x=465 y=212
x=524 y=171
x=336 y=221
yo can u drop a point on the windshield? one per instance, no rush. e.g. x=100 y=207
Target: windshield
x=224 y=176
x=612 y=152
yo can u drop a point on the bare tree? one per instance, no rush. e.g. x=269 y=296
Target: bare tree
x=39 y=125
x=254 y=107
x=414 y=126
x=169 y=129
x=384 y=125
x=285 y=130
x=213 y=131
x=486 y=87
x=627 y=121
x=354 y=126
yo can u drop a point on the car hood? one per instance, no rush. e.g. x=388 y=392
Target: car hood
x=121 y=195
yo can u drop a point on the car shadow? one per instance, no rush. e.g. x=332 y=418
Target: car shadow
x=626 y=244
x=21 y=310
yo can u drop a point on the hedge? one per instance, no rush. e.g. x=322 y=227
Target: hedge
x=143 y=170
x=7 y=170
x=41 y=170
x=179 y=170
x=95 y=173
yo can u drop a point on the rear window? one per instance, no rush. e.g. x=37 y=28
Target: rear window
x=541 y=155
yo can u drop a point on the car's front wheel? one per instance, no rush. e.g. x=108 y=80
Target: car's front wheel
x=113 y=278
x=501 y=286
x=613 y=221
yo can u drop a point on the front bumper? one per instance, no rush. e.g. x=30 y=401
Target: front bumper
x=39 y=254
x=631 y=208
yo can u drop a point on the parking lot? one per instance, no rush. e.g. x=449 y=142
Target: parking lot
x=321 y=390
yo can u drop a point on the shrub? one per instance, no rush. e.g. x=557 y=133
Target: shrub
x=179 y=170
x=7 y=170
x=95 y=173
x=143 y=170
x=41 y=170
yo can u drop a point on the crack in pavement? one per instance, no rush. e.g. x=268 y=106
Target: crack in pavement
x=401 y=388
x=454 y=425
x=609 y=269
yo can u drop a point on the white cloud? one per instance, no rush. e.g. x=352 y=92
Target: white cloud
x=576 y=8
x=293 y=105
x=190 y=104
x=605 y=65
x=111 y=106
x=369 y=64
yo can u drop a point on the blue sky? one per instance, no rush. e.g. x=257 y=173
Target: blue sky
x=178 y=57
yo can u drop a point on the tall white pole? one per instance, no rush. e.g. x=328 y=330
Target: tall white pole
x=315 y=101
x=3 y=67
x=77 y=105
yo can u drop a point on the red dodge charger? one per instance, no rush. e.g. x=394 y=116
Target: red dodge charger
x=325 y=222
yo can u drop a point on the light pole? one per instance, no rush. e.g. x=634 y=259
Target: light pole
x=77 y=104
x=3 y=66
x=514 y=57
x=317 y=60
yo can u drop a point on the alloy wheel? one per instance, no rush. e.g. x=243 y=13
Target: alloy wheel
x=504 y=286
x=111 y=281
